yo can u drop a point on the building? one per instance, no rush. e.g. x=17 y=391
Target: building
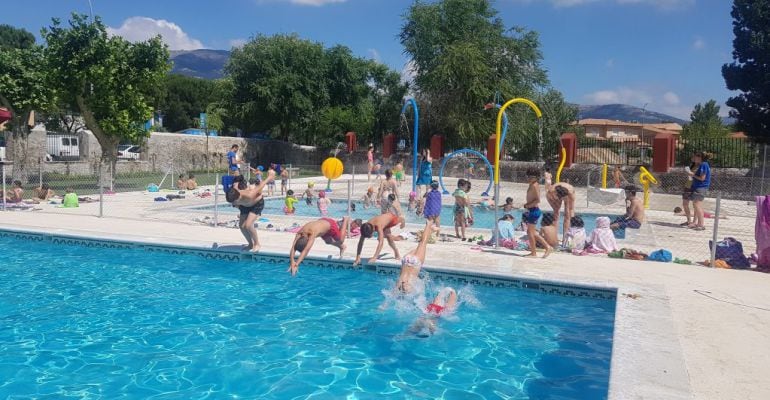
x=620 y=131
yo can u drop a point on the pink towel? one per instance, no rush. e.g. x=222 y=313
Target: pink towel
x=762 y=231
x=602 y=238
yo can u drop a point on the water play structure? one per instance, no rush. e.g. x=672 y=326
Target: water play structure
x=332 y=168
x=498 y=132
x=646 y=178
x=407 y=102
x=463 y=152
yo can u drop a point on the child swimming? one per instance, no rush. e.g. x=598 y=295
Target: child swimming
x=445 y=302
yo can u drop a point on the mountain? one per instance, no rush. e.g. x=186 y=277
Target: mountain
x=624 y=112
x=202 y=63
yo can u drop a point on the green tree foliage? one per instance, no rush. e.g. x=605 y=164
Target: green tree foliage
x=463 y=55
x=111 y=82
x=306 y=93
x=183 y=99
x=705 y=122
x=23 y=89
x=749 y=72
x=15 y=38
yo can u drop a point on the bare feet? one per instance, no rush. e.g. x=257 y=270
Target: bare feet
x=255 y=249
x=343 y=247
x=531 y=255
x=548 y=252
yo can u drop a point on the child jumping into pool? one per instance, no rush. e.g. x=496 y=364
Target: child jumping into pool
x=445 y=302
x=413 y=261
x=250 y=202
x=332 y=232
x=533 y=214
x=382 y=224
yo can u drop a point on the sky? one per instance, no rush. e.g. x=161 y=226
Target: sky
x=662 y=55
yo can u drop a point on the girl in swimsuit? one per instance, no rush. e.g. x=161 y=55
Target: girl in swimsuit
x=445 y=301
x=412 y=262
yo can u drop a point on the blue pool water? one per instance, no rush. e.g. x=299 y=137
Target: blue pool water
x=109 y=323
x=483 y=218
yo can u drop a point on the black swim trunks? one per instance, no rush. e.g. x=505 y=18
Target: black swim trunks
x=256 y=209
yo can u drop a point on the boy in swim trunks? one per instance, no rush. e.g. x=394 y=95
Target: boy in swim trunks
x=533 y=215
x=250 y=202
x=634 y=212
x=332 y=232
x=382 y=224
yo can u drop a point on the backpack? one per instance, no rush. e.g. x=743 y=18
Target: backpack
x=731 y=251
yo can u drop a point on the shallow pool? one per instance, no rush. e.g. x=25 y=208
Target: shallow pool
x=483 y=218
x=110 y=323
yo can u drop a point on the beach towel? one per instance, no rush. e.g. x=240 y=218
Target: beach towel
x=576 y=238
x=602 y=238
x=660 y=256
x=762 y=231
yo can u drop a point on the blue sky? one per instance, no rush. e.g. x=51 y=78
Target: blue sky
x=666 y=54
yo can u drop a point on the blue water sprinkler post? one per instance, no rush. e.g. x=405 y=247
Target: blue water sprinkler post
x=407 y=102
x=328 y=186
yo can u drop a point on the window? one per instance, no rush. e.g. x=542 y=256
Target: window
x=65 y=141
x=74 y=141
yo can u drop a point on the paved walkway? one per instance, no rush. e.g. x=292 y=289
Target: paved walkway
x=692 y=332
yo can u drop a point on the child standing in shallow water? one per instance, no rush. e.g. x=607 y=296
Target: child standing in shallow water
x=461 y=209
x=308 y=195
x=323 y=203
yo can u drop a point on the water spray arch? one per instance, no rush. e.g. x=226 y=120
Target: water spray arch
x=466 y=151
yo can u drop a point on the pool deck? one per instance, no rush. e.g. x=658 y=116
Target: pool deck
x=681 y=332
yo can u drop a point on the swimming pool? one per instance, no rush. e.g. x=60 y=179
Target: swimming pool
x=106 y=323
x=483 y=218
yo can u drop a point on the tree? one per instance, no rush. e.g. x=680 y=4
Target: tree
x=463 y=56
x=183 y=99
x=705 y=122
x=277 y=83
x=750 y=70
x=107 y=79
x=23 y=89
x=533 y=140
x=15 y=38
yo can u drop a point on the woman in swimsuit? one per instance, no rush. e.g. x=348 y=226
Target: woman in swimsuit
x=381 y=224
x=412 y=262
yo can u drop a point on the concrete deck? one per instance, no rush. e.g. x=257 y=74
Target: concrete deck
x=692 y=332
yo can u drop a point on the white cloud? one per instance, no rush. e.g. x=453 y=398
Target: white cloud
x=138 y=29
x=409 y=72
x=237 y=42
x=374 y=54
x=671 y=99
x=661 y=4
x=698 y=43
x=610 y=63
x=621 y=95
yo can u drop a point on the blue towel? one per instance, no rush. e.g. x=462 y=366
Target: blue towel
x=660 y=256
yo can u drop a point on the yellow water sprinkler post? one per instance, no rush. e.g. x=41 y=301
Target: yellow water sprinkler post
x=498 y=135
x=646 y=178
x=604 y=176
x=561 y=164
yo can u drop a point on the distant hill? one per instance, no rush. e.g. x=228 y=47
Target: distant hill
x=203 y=63
x=624 y=112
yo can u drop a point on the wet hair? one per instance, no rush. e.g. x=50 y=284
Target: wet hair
x=460 y=183
x=235 y=146
x=232 y=195
x=352 y=206
x=367 y=230
x=290 y=192
x=17 y=183
x=388 y=174
x=547 y=219
x=533 y=172
x=677 y=210
x=577 y=222
x=509 y=200
x=633 y=189
x=434 y=185
x=301 y=243
x=561 y=191
x=467 y=186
